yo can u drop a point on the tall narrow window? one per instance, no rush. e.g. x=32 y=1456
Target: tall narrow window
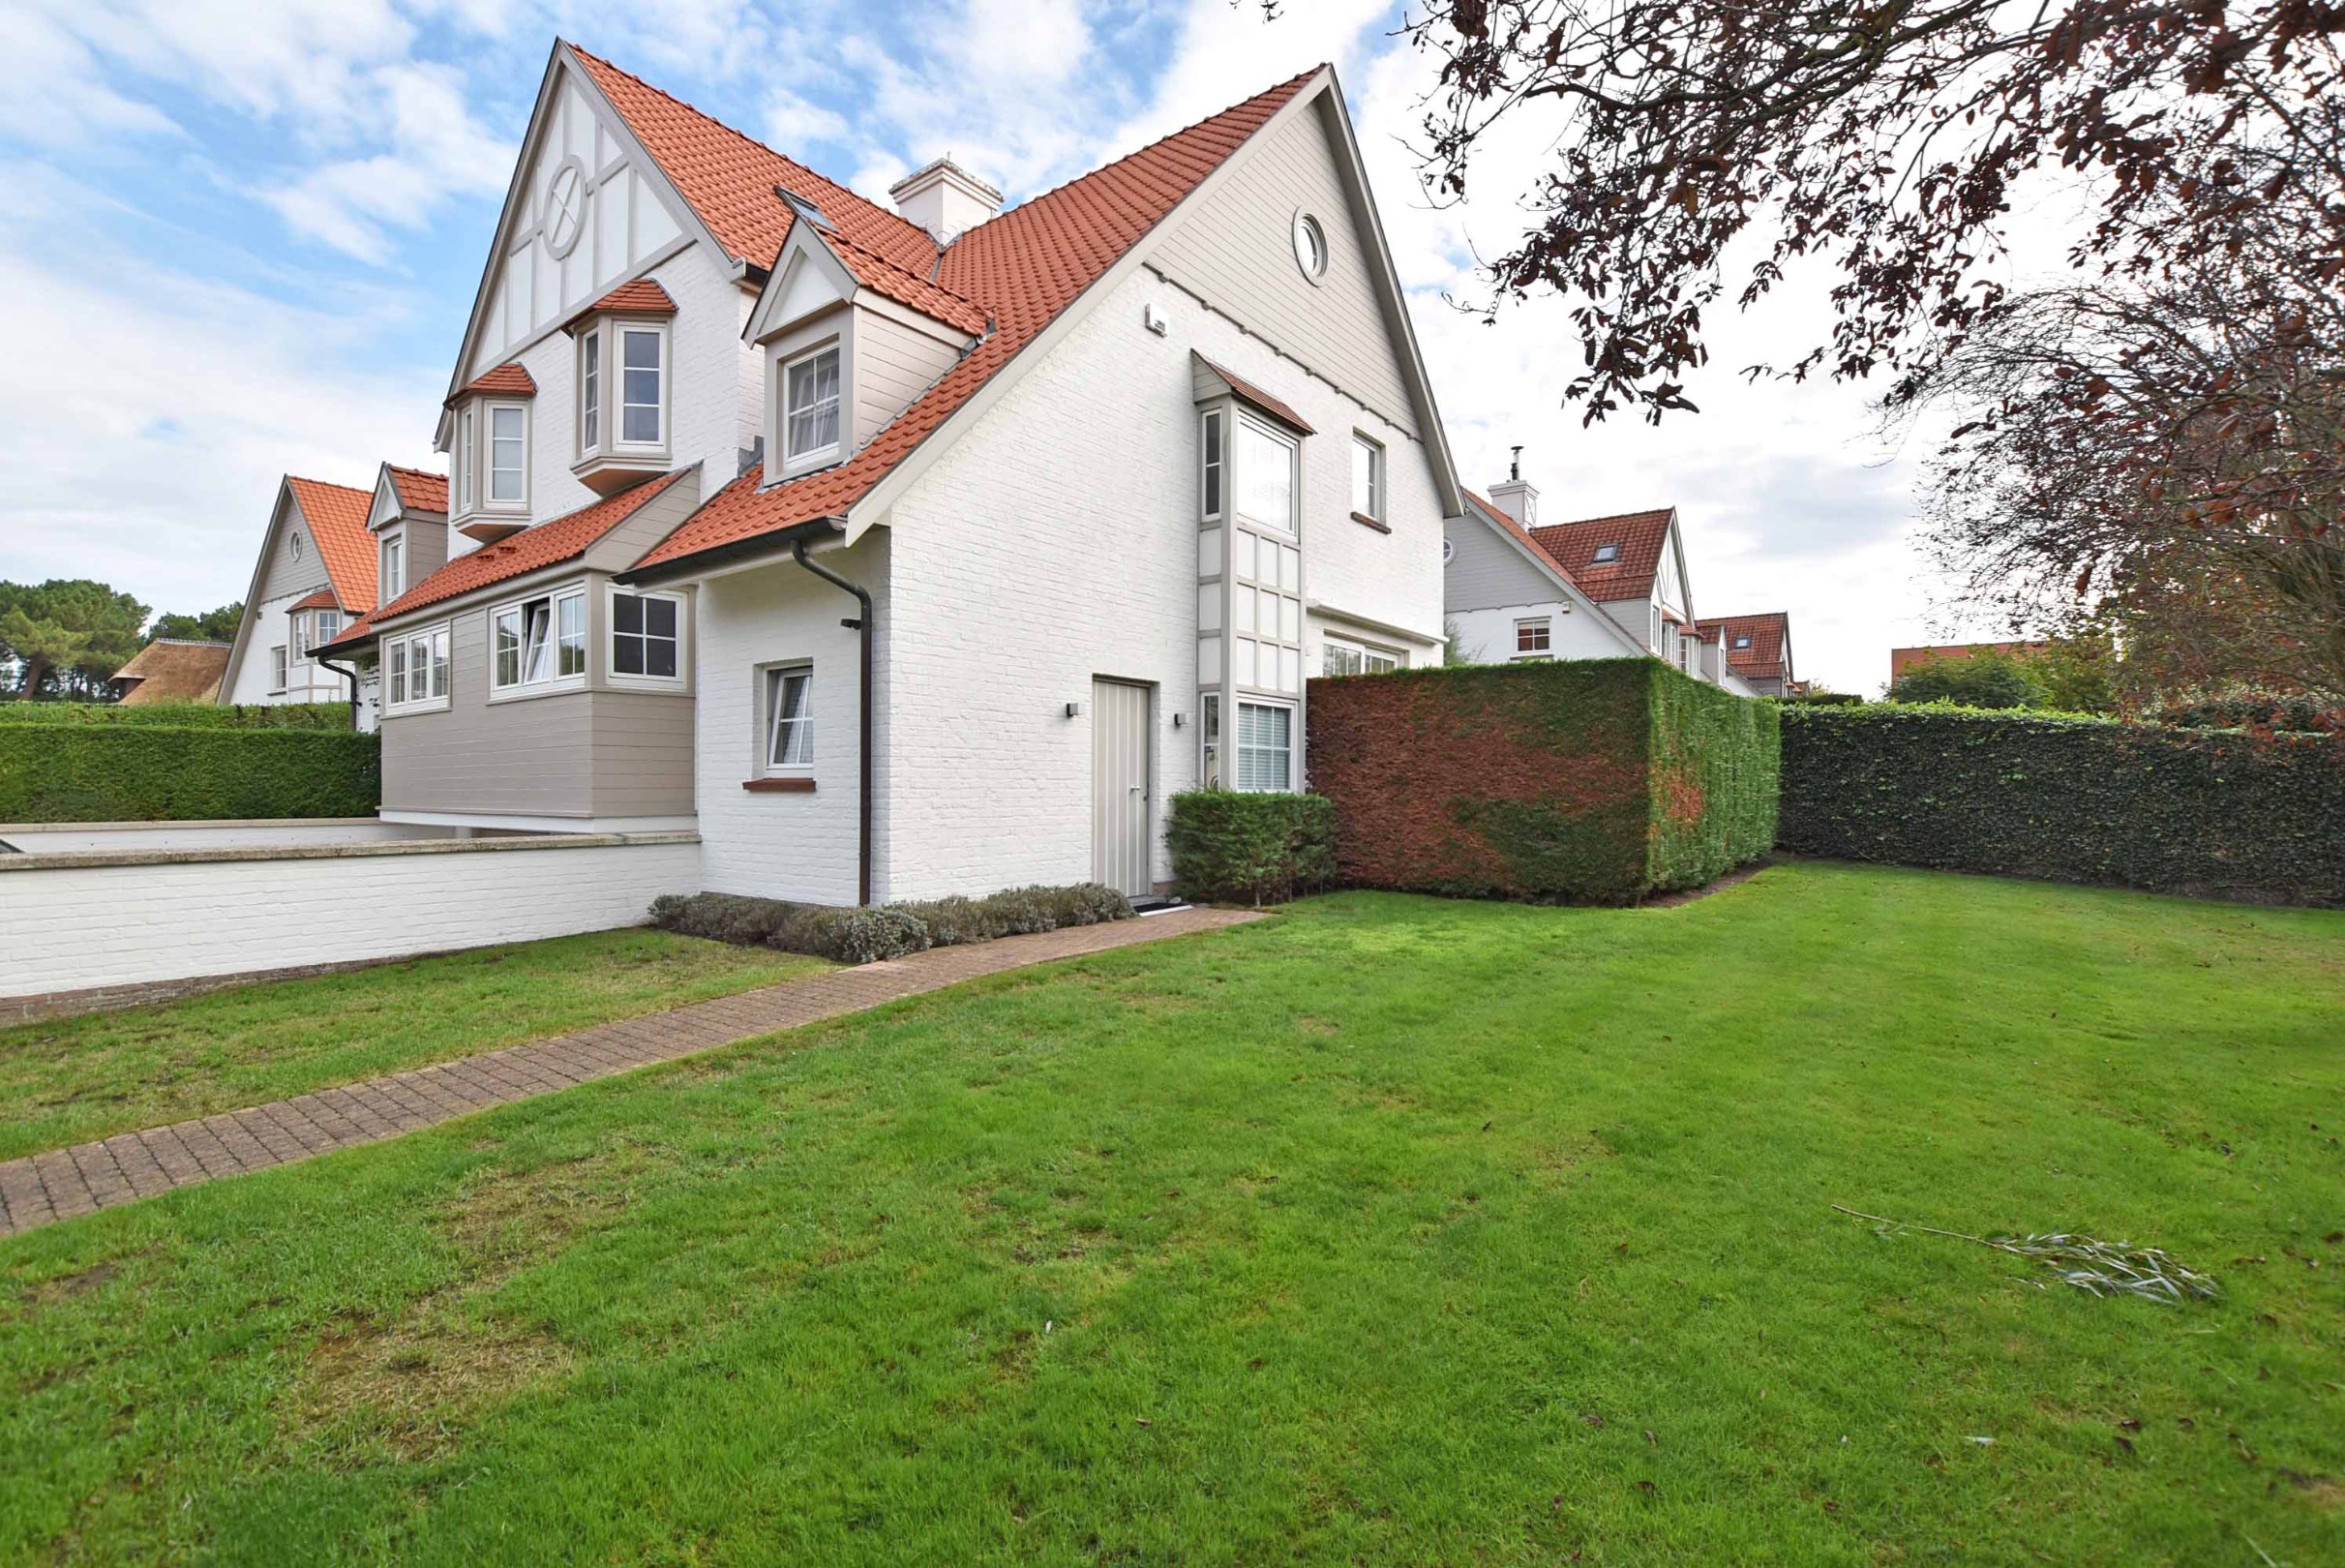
x=641 y=373
x=1265 y=746
x=644 y=635
x=536 y=641
x=1265 y=478
x=277 y=668
x=1368 y=479
x=394 y=550
x=395 y=659
x=570 y=635
x=507 y=669
x=810 y=387
x=1216 y=465
x=466 y=460
x=790 y=718
x=591 y=392
x=508 y=439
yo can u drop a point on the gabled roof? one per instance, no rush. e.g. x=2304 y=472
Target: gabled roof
x=1520 y=537
x=728 y=180
x=1640 y=537
x=337 y=516
x=418 y=491
x=546 y=544
x=640 y=296
x=510 y=379
x=1503 y=521
x=173 y=670
x=877 y=272
x=1770 y=634
x=322 y=599
x=1023 y=268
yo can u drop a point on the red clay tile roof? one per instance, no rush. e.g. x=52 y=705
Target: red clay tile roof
x=876 y=272
x=544 y=544
x=337 y=516
x=728 y=180
x=173 y=670
x=1248 y=392
x=509 y=379
x=1024 y=268
x=1640 y=537
x=1769 y=632
x=418 y=491
x=643 y=296
x=322 y=599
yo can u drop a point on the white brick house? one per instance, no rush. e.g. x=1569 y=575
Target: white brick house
x=916 y=552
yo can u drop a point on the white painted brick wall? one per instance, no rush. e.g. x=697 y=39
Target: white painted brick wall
x=273 y=627
x=1488 y=636
x=69 y=929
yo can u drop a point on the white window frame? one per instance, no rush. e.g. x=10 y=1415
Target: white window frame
x=1291 y=526
x=419 y=659
x=319 y=637
x=1371 y=659
x=590 y=383
x=1237 y=746
x=770 y=680
x=488 y=499
x=1212 y=468
x=390 y=567
x=1374 y=510
x=554 y=682
x=1542 y=628
x=615 y=380
x=612 y=594
x=468 y=478
x=814 y=457
x=279 y=667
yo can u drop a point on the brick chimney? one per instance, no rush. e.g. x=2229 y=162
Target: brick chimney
x=944 y=198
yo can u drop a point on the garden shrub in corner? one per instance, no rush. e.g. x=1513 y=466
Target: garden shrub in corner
x=1587 y=782
x=2070 y=800
x=1255 y=848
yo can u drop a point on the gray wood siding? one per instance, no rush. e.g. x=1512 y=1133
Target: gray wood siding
x=642 y=753
x=623 y=546
x=283 y=575
x=1236 y=253
x=426 y=549
x=893 y=364
x=1487 y=573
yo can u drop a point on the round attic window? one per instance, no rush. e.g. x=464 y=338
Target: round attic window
x=1311 y=247
x=565 y=216
x=293 y=543
x=1448 y=551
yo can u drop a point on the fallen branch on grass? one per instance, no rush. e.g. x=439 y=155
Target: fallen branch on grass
x=2098 y=1268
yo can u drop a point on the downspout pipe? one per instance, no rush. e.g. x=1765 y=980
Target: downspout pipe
x=349 y=673
x=866 y=625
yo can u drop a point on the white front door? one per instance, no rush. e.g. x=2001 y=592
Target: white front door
x=1120 y=837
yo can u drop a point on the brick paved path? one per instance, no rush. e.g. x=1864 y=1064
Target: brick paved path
x=63 y=1183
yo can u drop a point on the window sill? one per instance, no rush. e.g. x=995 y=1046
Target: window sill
x=1367 y=522
x=521 y=694
x=778 y=786
x=404 y=709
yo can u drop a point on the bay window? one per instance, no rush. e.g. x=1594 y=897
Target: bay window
x=646 y=636
x=810 y=406
x=538 y=644
x=1215 y=463
x=415 y=670
x=589 y=392
x=643 y=373
x=508 y=444
x=1266 y=477
x=1265 y=747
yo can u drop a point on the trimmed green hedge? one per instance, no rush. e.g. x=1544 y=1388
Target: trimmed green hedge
x=1588 y=781
x=1252 y=849
x=866 y=935
x=2070 y=800
x=138 y=772
x=184 y=715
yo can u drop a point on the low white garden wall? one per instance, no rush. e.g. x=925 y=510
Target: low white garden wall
x=74 y=922
x=262 y=833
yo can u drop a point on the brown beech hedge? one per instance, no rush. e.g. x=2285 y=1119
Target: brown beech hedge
x=1596 y=781
x=2070 y=800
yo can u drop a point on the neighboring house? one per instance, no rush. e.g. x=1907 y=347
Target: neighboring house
x=916 y=552
x=1903 y=660
x=317 y=573
x=1758 y=649
x=171 y=670
x=1605 y=588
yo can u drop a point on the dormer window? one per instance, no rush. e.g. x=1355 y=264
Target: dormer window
x=642 y=385
x=1607 y=553
x=391 y=575
x=490 y=466
x=589 y=394
x=810 y=411
x=508 y=455
x=623 y=386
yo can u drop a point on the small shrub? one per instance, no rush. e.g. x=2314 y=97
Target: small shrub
x=1983 y=679
x=862 y=936
x=1256 y=848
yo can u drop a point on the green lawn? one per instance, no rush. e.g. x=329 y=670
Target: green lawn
x=1390 y=1231
x=108 y=1072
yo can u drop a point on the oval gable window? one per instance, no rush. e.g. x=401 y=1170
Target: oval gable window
x=1311 y=247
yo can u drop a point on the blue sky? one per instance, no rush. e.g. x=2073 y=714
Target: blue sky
x=242 y=237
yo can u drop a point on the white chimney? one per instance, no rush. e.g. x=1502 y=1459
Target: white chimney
x=944 y=198
x=1515 y=497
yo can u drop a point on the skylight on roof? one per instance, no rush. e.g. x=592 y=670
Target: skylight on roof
x=802 y=207
x=1607 y=553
